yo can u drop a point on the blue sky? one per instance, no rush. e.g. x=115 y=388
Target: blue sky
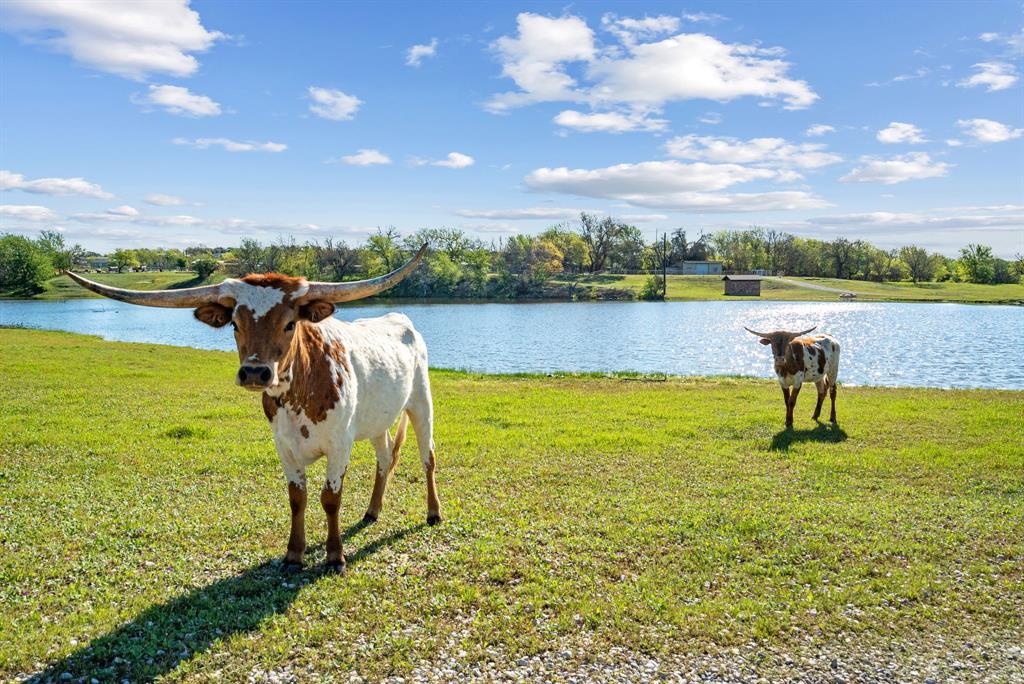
x=179 y=124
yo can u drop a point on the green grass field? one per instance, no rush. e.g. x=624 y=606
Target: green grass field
x=701 y=288
x=143 y=516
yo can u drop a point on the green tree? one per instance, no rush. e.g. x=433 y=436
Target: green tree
x=24 y=266
x=204 y=267
x=122 y=259
x=977 y=264
x=919 y=264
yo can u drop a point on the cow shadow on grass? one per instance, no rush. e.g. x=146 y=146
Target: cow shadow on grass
x=822 y=432
x=168 y=634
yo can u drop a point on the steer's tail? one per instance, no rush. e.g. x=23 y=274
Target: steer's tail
x=403 y=423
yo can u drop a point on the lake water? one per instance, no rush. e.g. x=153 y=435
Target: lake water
x=930 y=345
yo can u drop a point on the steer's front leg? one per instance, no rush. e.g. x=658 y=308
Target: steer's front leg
x=297 y=538
x=330 y=499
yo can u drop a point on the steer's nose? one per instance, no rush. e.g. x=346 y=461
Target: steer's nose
x=255 y=377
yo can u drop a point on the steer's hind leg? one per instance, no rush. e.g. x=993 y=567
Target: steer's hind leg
x=832 y=394
x=822 y=386
x=387 y=458
x=422 y=417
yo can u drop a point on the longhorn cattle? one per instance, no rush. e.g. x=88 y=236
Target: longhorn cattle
x=800 y=359
x=325 y=383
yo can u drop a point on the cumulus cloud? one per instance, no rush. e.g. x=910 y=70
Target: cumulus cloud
x=333 y=104
x=162 y=200
x=231 y=145
x=454 y=160
x=415 y=55
x=818 y=130
x=913 y=166
x=628 y=30
x=367 y=157
x=992 y=75
x=646 y=70
x=130 y=40
x=672 y=185
x=898 y=132
x=178 y=100
x=988 y=131
x=52 y=186
x=27 y=212
x=763 y=151
x=123 y=210
x=609 y=122
x=1013 y=42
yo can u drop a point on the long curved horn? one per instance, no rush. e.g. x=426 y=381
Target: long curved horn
x=804 y=332
x=347 y=292
x=757 y=333
x=175 y=299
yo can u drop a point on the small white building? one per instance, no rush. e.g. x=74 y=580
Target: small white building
x=702 y=268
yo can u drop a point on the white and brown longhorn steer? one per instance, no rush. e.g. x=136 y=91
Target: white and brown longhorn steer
x=799 y=359
x=326 y=383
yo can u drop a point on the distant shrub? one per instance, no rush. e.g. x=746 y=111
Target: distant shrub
x=204 y=267
x=651 y=290
x=24 y=266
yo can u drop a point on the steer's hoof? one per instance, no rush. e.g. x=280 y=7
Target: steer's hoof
x=369 y=518
x=292 y=567
x=335 y=567
x=433 y=519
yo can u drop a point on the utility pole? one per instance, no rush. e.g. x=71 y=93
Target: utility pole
x=664 y=261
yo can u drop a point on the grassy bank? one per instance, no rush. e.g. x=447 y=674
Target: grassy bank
x=142 y=516
x=702 y=288
x=680 y=288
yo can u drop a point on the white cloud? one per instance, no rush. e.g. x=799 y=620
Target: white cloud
x=27 y=212
x=643 y=76
x=1009 y=216
x=708 y=17
x=454 y=160
x=988 y=131
x=641 y=218
x=123 y=210
x=52 y=186
x=179 y=100
x=231 y=145
x=954 y=142
x=913 y=166
x=333 y=104
x=608 y=122
x=993 y=75
x=672 y=185
x=919 y=73
x=818 y=130
x=1013 y=42
x=416 y=54
x=629 y=30
x=366 y=157
x=162 y=200
x=530 y=213
x=766 y=151
x=711 y=118
x=898 y=132
x=130 y=40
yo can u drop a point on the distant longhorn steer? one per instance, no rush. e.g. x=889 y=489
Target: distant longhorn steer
x=325 y=383
x=801 y=359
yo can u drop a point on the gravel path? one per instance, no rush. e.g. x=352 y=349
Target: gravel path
x=813 y=286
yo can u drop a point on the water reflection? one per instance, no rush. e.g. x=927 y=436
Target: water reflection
x=935 y=345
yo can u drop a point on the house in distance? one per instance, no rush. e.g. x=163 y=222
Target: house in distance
x=743 y=285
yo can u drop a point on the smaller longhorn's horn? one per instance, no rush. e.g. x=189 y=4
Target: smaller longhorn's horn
x=175 y=299
x=757 y=333
x=347 y=292
x=804 y=332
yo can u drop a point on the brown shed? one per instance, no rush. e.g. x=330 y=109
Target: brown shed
x=743 y=285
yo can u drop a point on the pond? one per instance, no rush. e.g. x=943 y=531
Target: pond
x=925 y=345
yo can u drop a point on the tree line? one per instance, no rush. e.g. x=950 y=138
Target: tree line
x=551 y=264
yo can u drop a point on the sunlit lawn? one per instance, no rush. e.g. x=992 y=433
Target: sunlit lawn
x=142 y=516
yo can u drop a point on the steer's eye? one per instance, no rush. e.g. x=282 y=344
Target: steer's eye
x=289 y=327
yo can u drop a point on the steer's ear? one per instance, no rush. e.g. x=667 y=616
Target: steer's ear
x=765 y=341
x=216 y=315
x=316 y=310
